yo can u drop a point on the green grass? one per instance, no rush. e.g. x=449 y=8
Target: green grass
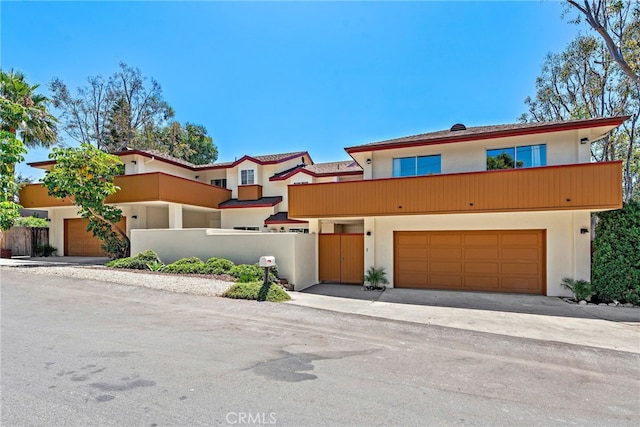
x=255 y=290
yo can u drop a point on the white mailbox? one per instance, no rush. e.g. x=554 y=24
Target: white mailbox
x=267 y=261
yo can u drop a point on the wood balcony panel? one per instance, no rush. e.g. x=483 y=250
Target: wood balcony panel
x=249 y=192
x=147 y=187
x=593 y=186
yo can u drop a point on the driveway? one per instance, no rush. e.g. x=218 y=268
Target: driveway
x=526 y=316
x=83 y=352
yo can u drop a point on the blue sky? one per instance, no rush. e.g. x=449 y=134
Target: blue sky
x=271 y=77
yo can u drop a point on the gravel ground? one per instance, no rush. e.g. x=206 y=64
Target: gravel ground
x=195 y=285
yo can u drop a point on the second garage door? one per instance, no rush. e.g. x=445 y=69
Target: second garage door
x=494 y=260
x=80 y=242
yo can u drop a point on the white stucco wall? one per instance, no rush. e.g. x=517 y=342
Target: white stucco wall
x=562 y=148
x=245 y=217
x=568 y=252
x=295 y=253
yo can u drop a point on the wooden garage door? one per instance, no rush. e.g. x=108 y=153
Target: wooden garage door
x=495 y=260
x=80 y=242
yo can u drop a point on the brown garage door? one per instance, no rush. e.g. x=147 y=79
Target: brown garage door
x=495 y=260
x=80 y=242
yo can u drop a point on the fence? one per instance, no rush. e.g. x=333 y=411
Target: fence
x=24 y=241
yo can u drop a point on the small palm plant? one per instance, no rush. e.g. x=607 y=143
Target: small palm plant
x=375 y=279
x=581 y=289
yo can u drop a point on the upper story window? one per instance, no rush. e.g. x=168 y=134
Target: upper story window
x=247 y=177
x=525 y=156
x=219 y=182
x=417 y=165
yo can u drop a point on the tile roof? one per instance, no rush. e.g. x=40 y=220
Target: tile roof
x=483 y=132
x=334 y=167
x=263 y=202
x=282 y=218
x=269 y=158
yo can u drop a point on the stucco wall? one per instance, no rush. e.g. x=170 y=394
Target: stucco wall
x=295 y=253
x=568 y=251
x=562 y=148
x=245 y=217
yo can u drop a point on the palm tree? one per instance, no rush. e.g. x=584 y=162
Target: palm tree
x=37 y=126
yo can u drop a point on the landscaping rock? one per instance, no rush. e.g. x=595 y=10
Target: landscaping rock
x=612 y=304
x=583 y=302
x=628 y=304
x=603 y=303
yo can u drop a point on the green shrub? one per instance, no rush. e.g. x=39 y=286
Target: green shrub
x=246 y=273
x=616 y=260
x=581 y=289
x=46 y=250
x=193 y=265
x=31 y=221
x=257 y=291
x=219 y=266
x=140 y=261
x=375 y=278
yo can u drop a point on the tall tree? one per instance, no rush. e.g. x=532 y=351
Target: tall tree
x=127 y=111
x=85 y=174
x=618 y=24
x=108 y=113
x=584 y=82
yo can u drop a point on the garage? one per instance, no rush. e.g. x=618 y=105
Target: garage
x=80 y=242
x=488 y=260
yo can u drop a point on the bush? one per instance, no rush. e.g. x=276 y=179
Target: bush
x=246 y=273
x=616 y=260
x=375 y=278
x=139 y=262
x=31 y=222
x=219 y=266
x=46 y=250
x=257 y=291
x=193 y=265
x=581 y=289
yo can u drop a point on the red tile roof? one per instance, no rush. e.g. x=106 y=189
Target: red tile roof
x=485 y=132
x=348 y=167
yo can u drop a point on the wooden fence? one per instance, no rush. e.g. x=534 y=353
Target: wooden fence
x=26 y=240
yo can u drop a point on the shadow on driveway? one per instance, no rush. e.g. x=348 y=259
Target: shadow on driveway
x=491 y=301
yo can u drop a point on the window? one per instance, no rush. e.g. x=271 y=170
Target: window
x=419 y=165
x=526 y=156
x=246 y=177
x=247 y=228
x=299 y=230
x=219 y=182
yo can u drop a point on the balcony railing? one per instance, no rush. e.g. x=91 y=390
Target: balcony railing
x=146 y=187
x=592 y=186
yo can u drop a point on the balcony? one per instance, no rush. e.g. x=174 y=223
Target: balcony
x=591 y=186
x=146 y=187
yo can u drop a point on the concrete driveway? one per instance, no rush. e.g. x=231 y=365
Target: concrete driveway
x=52 y=260
x=526 y=316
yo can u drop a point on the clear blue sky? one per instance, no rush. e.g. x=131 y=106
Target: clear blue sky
x=284 y=76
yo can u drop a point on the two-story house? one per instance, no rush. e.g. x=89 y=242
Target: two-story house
x=494 y=208
x=161 y=192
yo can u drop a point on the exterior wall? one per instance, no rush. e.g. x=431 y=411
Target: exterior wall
x=195 y=219
x=295 y=253
x=157 y=217
x=562 y=148
x=568 y=251
x=245 y=217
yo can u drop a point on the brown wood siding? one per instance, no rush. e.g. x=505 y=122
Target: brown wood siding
x=80 y=242
x=341 y=258
x=140 y=188
x=249 y=192
x=491 y=260
x=595 y=186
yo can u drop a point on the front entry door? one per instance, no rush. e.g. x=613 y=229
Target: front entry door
x=341 y=258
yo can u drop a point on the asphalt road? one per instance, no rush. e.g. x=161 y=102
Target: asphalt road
x=86 y=353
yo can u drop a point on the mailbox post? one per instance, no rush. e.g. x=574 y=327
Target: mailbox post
x=266 y=262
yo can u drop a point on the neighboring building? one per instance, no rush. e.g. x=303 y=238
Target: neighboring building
x=435 y=217
x=160 y=192
x=494 y=208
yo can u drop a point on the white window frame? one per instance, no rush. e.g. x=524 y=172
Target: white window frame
x=245 y=175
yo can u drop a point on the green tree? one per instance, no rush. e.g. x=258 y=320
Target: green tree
x=583 y=82
x=617 y=22
x=85 y=174
x=23 y=112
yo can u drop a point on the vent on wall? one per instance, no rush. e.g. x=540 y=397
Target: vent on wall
x=458 y=126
